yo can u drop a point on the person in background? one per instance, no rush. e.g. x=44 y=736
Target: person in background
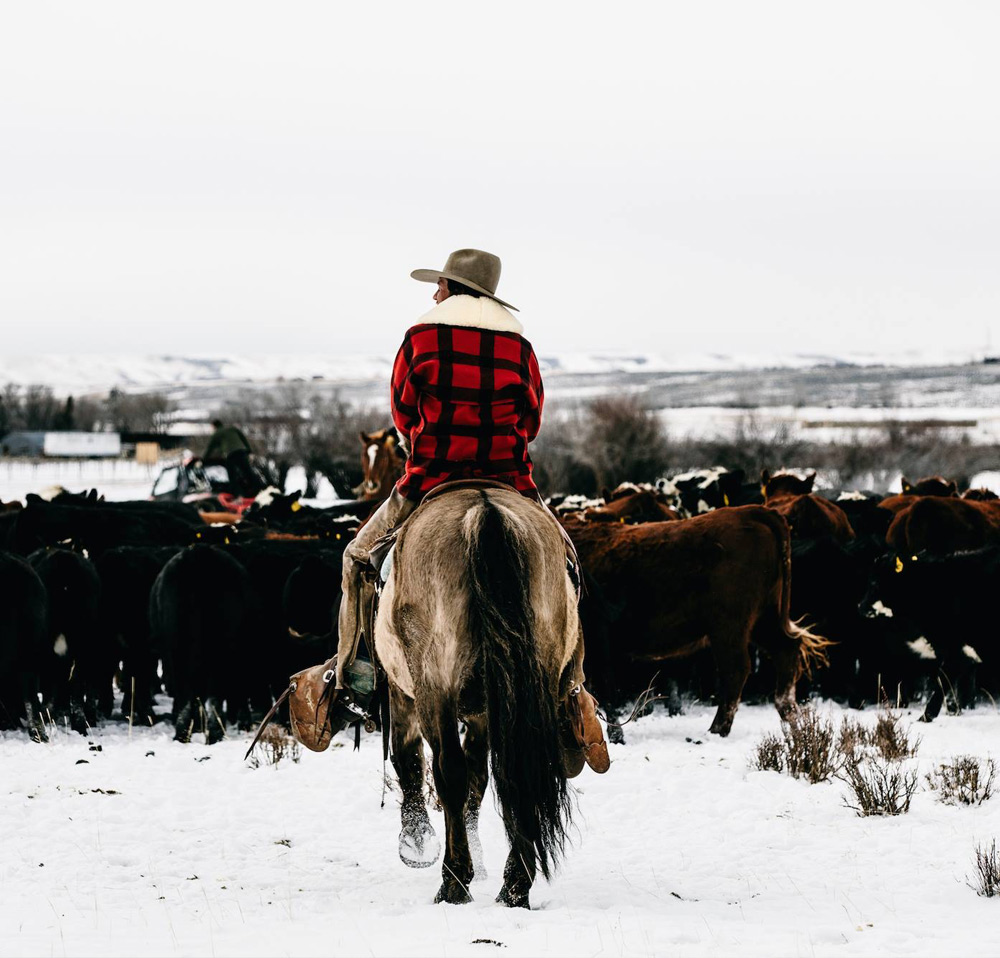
x=229 y=447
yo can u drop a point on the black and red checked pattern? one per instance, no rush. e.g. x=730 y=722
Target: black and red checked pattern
x=469 y=401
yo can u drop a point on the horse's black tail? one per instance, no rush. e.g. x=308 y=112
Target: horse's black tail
x=525 y=747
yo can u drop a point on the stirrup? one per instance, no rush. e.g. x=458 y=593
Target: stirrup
x=354 y=699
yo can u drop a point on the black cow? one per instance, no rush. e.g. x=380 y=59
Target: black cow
x=80 y=661
x=951 y=602
x=199 y=609
x=23 y=634
x=127 y=575
x=296 y=588
x=95 y=527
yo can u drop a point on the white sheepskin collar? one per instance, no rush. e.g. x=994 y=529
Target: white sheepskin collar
x=479 y=312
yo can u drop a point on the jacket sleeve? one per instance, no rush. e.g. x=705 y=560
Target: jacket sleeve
x=404 y=393
x=535 y=397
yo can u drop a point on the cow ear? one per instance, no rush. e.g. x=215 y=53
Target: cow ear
x=33 y=497
x=906 y=486
x=365 y=438
x=952 y=488
x=809 y=480
x=606 y=494
x=765 y=477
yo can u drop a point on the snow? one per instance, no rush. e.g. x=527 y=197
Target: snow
x=157 y=848
x=100 y=371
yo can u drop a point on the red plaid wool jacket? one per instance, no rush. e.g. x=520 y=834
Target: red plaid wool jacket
x=467 y=394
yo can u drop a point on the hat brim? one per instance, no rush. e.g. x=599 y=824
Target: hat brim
x=433 y=275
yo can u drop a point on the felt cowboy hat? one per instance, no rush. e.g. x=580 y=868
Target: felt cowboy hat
x=470 y=267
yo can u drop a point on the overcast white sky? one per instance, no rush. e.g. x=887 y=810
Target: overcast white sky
x=217 y=177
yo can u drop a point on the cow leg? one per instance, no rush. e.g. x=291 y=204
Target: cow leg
x=786 y=659
x=732 y=662
x=184 y=721
x=212 y=721
x=476 y=747
x=616 y=735
x=949 y=679
x=451 y=779
x=418 y=844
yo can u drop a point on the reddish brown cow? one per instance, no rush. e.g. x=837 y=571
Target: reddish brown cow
x=942 y=525
x=935 y=486
x=808 y=516
x=717 y=581
x=639 y=505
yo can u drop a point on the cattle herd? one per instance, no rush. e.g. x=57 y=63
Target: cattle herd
x=701 y=585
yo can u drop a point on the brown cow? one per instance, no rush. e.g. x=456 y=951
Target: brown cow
x=935 y=486
x=982 y=494
x=717 y=581
x=809 y=516
x=632 y=505
x=942 y=525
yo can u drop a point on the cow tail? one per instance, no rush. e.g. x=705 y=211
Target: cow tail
x=812 y=646
x=525 y=747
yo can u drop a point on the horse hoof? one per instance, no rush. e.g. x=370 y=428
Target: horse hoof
x=512 y=899
x=419 y=847
x=452 y=893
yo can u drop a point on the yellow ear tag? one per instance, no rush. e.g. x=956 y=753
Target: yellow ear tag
x=899 y=564
x=226 y=540
x=763 y=491
x=338 y=535
x=913 y=558
x=725 y=499
x=622 y=520
x=296 y=506
x=197 y=535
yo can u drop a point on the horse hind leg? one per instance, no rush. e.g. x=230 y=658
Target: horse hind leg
x=451 y=779
x=476 y=748
x=518 y=877
x=418 y=844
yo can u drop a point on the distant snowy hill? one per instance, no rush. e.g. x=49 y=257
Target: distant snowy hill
x=92 y=373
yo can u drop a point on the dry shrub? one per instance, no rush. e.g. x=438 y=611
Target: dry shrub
x=807 y=748
x=880 y=786
x=888 y=738
x=987 y=871
x=274 y=745
x=769 y=755
x=811 y=746
x=963 y=781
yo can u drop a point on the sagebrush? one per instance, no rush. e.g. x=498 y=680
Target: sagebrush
x=964 y=780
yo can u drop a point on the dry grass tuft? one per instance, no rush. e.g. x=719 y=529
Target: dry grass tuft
x=275 y=745
x=987 y=871
x=880 y=786
x=963 y=781
x=806 y=748
x=888 y=739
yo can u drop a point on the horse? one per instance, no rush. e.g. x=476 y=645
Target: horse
x=477 y=623
x=382 y=462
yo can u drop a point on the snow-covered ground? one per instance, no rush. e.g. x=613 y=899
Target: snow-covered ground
x=127 y=843
x=98 y=372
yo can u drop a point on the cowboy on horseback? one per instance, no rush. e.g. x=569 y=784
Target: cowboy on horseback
x=466 y=400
